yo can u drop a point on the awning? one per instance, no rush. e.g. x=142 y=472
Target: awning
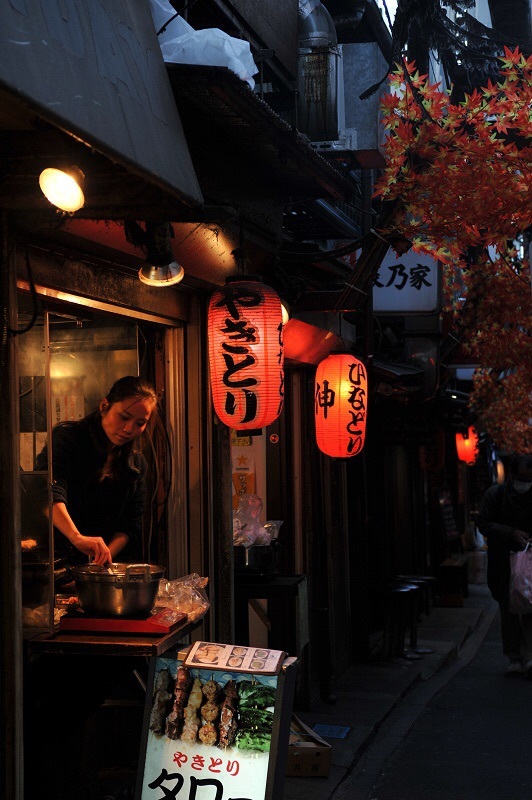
x=87 y=81
x=225 y=121
x=395 y=378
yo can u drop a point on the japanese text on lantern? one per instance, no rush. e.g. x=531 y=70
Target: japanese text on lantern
x=246 y=354
x=238 y=334
x=340 y=405
x=357 y=412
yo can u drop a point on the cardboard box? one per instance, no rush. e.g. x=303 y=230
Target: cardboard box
x=308 y=754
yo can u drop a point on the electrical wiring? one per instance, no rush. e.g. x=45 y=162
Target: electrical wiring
x=33 y=320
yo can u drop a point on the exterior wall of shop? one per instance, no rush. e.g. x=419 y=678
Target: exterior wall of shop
x=11 y=650
x=199 y=508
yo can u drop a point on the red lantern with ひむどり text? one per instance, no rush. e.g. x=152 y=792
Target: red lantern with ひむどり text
x=340 y=405
x=467 y=446
x=246 y=356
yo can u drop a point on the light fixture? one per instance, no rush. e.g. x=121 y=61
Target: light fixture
x=160 y=268
x=467 y=446
x=246 y=353
x=161 y=275
x=63 y=187
x=340 y=405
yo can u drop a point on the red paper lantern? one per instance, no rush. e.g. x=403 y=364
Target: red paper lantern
x=467 y=446
x=246 y=353
x=340 y=405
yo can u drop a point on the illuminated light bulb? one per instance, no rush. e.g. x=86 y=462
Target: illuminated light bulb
x=63 y=187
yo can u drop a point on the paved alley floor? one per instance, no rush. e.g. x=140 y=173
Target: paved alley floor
x=381 y=703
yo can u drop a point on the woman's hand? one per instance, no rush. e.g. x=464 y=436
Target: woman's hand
x=94 y=547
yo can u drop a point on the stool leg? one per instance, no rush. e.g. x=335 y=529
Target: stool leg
x=410 y=620
x=414 y=647
x=388 y=633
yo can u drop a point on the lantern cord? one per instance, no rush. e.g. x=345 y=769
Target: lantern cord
x=239 y=253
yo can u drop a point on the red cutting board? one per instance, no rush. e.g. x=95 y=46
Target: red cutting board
x=160 y=621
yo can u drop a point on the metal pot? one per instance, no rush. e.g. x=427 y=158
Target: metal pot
x=118 y=590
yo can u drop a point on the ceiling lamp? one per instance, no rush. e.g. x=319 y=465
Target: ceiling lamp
x=340 y=405
x=63 y=187
x=160 y=268
x=467 y=446
x=161 y=275
x=246 y=355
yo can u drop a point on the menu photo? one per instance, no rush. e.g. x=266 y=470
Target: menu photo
x=237 y=658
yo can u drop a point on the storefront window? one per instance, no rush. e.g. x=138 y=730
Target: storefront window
x=66 y=364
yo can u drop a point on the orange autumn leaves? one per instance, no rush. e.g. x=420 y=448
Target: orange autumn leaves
x=462 y=174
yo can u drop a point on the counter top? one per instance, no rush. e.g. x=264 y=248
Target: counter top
x=112 y=644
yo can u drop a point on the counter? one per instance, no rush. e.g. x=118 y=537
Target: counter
x=66 y=643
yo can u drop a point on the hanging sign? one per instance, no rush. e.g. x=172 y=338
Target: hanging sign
x=340 y=405
x=214 y=730
x=246 y=355
x=244 y=479
x=410 y=283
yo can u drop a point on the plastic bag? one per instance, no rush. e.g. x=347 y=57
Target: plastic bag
x=186 y=595
x=181 y=44
x=247 y=530
x=520 y=596
x=472 y=538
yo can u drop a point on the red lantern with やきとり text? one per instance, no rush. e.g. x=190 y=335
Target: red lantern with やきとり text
x=340 y=405
x=246 y=354
x=467 y=446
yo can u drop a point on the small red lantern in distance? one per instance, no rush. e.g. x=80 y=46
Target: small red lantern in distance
x=340 y=405
x=246 y=355
x=467 y=446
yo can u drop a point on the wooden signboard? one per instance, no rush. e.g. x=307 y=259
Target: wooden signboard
x=213 y=732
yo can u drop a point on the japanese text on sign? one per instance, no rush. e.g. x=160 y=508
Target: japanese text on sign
x=409 y=284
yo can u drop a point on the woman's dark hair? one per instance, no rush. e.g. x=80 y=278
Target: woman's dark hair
x=130 y=387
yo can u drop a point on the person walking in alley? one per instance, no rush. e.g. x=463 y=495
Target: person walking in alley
x=505 y=519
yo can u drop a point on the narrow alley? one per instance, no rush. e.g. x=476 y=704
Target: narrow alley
x=449 y=725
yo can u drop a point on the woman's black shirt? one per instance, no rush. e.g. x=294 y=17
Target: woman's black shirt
x=97 y=507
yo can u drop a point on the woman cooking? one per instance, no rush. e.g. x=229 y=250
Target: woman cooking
x=98 y=475
x=98 y=496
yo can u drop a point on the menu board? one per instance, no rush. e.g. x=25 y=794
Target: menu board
x=235 y=657
x=214 y=733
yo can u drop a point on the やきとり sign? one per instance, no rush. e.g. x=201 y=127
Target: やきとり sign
x=210 y=729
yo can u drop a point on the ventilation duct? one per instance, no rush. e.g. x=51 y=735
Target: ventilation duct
x=319 y=73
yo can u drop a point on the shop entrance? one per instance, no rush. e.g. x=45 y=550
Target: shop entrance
x=68 y=358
